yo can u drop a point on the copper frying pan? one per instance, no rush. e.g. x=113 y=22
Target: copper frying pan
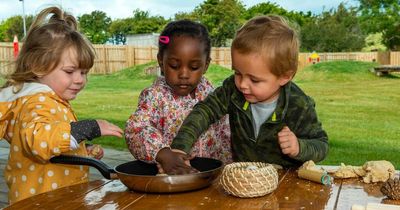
x=141 y=176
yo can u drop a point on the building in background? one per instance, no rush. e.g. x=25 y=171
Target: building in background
x=143 y=40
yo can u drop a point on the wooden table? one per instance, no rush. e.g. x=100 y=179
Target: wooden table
x=385 y=69
x=292 y=193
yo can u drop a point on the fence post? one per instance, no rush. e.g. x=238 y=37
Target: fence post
x=227 y=57
x=134 y=55
x=127 y=61
x=150 y=58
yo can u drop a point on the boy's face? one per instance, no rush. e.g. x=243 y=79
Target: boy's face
x=254 y=79
x=183 y=64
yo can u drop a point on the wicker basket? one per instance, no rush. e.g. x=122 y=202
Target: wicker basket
x=249 y=179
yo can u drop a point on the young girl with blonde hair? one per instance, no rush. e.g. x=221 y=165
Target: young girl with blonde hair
x=36 y=117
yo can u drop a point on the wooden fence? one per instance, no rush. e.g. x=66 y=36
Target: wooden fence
x=110 y=59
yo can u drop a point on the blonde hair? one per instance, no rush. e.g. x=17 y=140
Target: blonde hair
x=272 y=37
x=47 y=39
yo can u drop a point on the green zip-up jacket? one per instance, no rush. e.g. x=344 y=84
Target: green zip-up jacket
x=294 y=109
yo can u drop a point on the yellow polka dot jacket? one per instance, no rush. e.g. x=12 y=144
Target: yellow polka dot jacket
x=36 y=123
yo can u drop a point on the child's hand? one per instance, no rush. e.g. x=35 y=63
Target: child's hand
x=174 y=162
x=109 y=129
x=288 y=142
x=95 y=151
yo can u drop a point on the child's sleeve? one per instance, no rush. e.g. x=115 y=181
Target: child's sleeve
x=204 y=113
x=313 y=140
x=85 y=130
x=143 y=132
x=223 y=135
x=42 y=134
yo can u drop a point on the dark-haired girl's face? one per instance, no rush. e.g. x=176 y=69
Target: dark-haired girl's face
x=183 y=63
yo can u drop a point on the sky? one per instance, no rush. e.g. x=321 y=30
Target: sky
x=166 y=8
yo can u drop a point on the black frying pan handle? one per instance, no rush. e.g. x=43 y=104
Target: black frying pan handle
x=103 y=168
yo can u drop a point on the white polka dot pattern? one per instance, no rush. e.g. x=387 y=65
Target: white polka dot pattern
x=28 y=171
x=56 y=150
x=43 y=144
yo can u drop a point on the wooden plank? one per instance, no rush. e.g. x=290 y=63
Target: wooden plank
x=296 y=193
x=292 y=193
x=213 y=197
x=57 y=198
x=385 y=69
x=113 y=195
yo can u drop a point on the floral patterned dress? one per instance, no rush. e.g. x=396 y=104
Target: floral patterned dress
x=159 y=116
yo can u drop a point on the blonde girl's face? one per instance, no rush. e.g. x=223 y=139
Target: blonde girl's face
x=66 y=79
x=183 y=64
x=254 y=79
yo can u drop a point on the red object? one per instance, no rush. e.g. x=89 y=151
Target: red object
x=16 y=47
x=309 y=59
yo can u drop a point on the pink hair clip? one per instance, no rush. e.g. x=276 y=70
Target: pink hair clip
x=164 y=39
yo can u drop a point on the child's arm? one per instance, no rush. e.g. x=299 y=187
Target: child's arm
x=143 y=132
x=204 y=113
x=200 y=118
x=311 y=138
x=44 y=133
x=45 y=127
x=90 y=129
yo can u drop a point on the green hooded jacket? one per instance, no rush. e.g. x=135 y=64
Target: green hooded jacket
x=294 y=109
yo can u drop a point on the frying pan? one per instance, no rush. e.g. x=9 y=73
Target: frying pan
x=141 y=176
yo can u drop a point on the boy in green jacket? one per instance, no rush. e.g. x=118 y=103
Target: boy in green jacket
x=271 y=119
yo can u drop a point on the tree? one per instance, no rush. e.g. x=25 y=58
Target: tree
x=264 y=9
x=271 y=8
x=333 y=31
x=14 y=26
x=95 y=26
x=382 y=16
x=373 y=42
x=119 y=29
x=185 y=16
x=222 y=19
x=140 y=23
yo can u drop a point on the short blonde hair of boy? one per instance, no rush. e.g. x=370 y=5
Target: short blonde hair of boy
x=52 y=32
x=274 y=39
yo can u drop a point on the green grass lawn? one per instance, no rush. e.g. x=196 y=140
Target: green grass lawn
x=358 y=110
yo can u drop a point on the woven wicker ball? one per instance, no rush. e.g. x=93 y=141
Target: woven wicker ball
x=249 y=179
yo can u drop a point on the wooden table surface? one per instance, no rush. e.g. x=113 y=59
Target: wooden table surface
x=292 y=193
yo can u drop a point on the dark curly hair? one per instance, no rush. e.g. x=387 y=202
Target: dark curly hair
x=185 y=28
